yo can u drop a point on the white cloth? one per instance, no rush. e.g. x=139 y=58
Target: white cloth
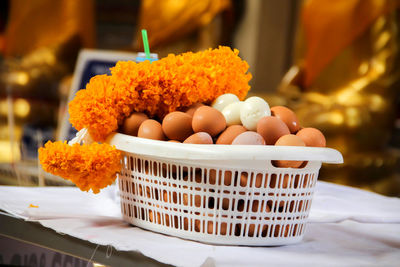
x=348 y=227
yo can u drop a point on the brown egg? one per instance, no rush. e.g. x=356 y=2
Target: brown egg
x=170 y=196
x=221 y=230
x=312 y=137
x=173 y=141
x=226 y=202
x=261 y=231
x=287 y=116
x=132 y=123
x=257 y=207
x=160 y=220
x=199 y=138
x=288 y=140
x=275 y=205
x=177 y=125
x=197 y=178
x=302 y=181
x=280 y=181
x=254 y=207
x=227 y=177
x=281 y=230
x=257 y=183
x=151 y=129
x=191 y=109
x=248 y=138
x=153 y=215
x=208 y=226
x=230 y=133
x=209 y=120
x=271 y=129
x=192 y=199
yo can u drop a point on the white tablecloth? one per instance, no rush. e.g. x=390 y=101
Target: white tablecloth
x=348 y=227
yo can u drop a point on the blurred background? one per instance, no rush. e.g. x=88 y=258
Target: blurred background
x=335 y=63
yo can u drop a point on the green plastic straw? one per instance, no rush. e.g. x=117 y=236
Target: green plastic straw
x=146 y=44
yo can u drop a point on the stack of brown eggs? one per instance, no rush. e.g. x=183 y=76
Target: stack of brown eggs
x=228 y=121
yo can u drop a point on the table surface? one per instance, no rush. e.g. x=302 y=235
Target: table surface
x=36 y=234
x=347 y=227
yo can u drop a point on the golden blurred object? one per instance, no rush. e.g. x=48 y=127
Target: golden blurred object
x=42 y=40
x=21 y=107
x=344 y=84
x=19 y=78
x=40 y=46
x=5 y=155
x=43 y=23
x=31 y=88
x=339 y=24
x=37 y=73
x=170 y=20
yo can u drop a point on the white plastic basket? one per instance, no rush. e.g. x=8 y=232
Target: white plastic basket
x=208 y=192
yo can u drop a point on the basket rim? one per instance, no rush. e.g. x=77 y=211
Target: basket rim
x=169 y=150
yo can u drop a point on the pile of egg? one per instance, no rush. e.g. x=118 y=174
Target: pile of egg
x=228 y=121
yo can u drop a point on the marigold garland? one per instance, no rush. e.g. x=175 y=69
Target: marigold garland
x=91 y=166
x=157 y=88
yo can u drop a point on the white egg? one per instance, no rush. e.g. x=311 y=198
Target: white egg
x=253 y=109
x=232 y=113
x=223 y=100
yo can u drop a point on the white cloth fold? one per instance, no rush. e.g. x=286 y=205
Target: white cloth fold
x=348 y=227
x=335 y=203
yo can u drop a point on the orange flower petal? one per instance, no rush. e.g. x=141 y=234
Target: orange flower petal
x=91 y=166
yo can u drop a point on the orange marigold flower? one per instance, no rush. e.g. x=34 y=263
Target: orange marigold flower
x=157 y=88
x=91 y=166
x=95 y=106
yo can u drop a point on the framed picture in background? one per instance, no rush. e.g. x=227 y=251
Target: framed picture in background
x=90 y=63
